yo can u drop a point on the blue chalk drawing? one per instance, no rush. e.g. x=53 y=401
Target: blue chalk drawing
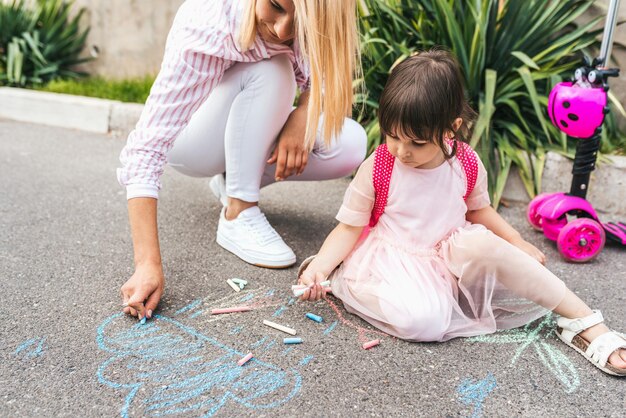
x=269 y=345
x=291 y=301
x=279 y=311
x=236 y=330
x=179 y=370
x=258 y=343
x=287 y=350
x=551 y=357
x=191 y=306
x=306 y=360
x=474 y=393
x=247 y=297
x=270 y=292
x=29 y=348
x=330 y=328
x=193 y=315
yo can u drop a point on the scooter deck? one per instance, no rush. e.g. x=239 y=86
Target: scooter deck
x=615 y=231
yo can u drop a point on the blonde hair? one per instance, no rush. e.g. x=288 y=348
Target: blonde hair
x=328 y=37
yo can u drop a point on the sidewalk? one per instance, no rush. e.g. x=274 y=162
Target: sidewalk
x=65 y=250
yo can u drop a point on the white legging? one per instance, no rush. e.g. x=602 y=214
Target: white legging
x=235 y=129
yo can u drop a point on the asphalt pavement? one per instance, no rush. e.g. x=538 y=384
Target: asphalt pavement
x=65 y=349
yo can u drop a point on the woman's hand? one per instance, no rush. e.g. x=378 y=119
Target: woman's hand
x=313 y=280
x=289 y=154
x=529 y=249
x=143 y=290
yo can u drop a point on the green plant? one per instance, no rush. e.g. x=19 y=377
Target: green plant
x=133 y=90
x=40 y=44
x=512 y=52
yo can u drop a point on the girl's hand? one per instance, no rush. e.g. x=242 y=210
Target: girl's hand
x=143 y=290
x=289 y=154
x=313 y=280
x=529 y=249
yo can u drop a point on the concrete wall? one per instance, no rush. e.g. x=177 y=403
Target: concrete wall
x=128 y=36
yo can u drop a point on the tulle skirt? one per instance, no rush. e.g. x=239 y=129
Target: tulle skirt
x=471 y=283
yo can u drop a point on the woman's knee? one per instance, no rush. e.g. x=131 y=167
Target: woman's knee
x=351 y=145
x=275 y=75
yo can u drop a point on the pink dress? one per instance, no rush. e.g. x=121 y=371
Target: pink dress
x=426 y=274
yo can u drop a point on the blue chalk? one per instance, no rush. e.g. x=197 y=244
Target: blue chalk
x=143 y=320
x=292 y=340
x=314 y=317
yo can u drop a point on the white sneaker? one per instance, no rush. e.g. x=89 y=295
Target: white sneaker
x=218 y=187
x=251 y=238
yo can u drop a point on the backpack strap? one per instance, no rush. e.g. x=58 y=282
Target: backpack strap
x=469 y=161
x=381 y=176
x=383 y=167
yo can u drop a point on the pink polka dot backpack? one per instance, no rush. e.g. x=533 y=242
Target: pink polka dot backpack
x=383 y=167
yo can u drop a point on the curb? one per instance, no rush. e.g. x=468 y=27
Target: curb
x=607 y=189
x=69 y=111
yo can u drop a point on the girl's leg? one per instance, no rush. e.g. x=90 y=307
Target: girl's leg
x=521 y=274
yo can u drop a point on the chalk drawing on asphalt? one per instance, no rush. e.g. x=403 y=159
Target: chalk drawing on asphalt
x=536 y=336
x=474 y=393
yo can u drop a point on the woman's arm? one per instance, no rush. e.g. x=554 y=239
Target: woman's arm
x=146 y=285
x=492 y=220
x=289 y=154
x=335 y=249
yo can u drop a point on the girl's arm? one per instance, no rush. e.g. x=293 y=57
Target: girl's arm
x=335 y=249
x=492 y=220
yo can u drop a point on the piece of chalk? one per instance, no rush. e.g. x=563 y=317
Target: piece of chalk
x=296 y=340
x=300 y=292
x=239 y=281
x=314 y=317
x=279 y=327
x=370 y=344
x=233 y=285
x=298 y=286
x=143 y=320
x=230 y=310
x=326 y=283
x=241 y=286
x=245 y=359
x=125 y=305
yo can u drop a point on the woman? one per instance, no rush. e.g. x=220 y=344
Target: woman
x=221 y=106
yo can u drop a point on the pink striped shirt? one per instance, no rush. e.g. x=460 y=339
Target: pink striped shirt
x=201 y=46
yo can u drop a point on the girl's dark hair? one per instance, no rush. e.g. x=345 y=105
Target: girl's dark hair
x=423 y=96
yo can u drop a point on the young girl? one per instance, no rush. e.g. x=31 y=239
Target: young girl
x=222 y=106
x=439 y=262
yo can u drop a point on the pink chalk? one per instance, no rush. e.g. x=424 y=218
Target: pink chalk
x=370 y=344
x=231 y=310
x=245 y=359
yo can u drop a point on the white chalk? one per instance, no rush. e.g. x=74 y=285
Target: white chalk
x=279 y=327
x=233 y=285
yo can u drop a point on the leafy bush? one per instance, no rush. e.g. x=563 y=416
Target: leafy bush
x=512 y=52
x=40 y=44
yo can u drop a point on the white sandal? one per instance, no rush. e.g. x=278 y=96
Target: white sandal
x=599 y=350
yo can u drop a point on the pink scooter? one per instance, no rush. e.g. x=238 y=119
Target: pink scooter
x=578 y=108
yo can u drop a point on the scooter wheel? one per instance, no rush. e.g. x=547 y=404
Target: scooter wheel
x=532 y=212
x=581 y=240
